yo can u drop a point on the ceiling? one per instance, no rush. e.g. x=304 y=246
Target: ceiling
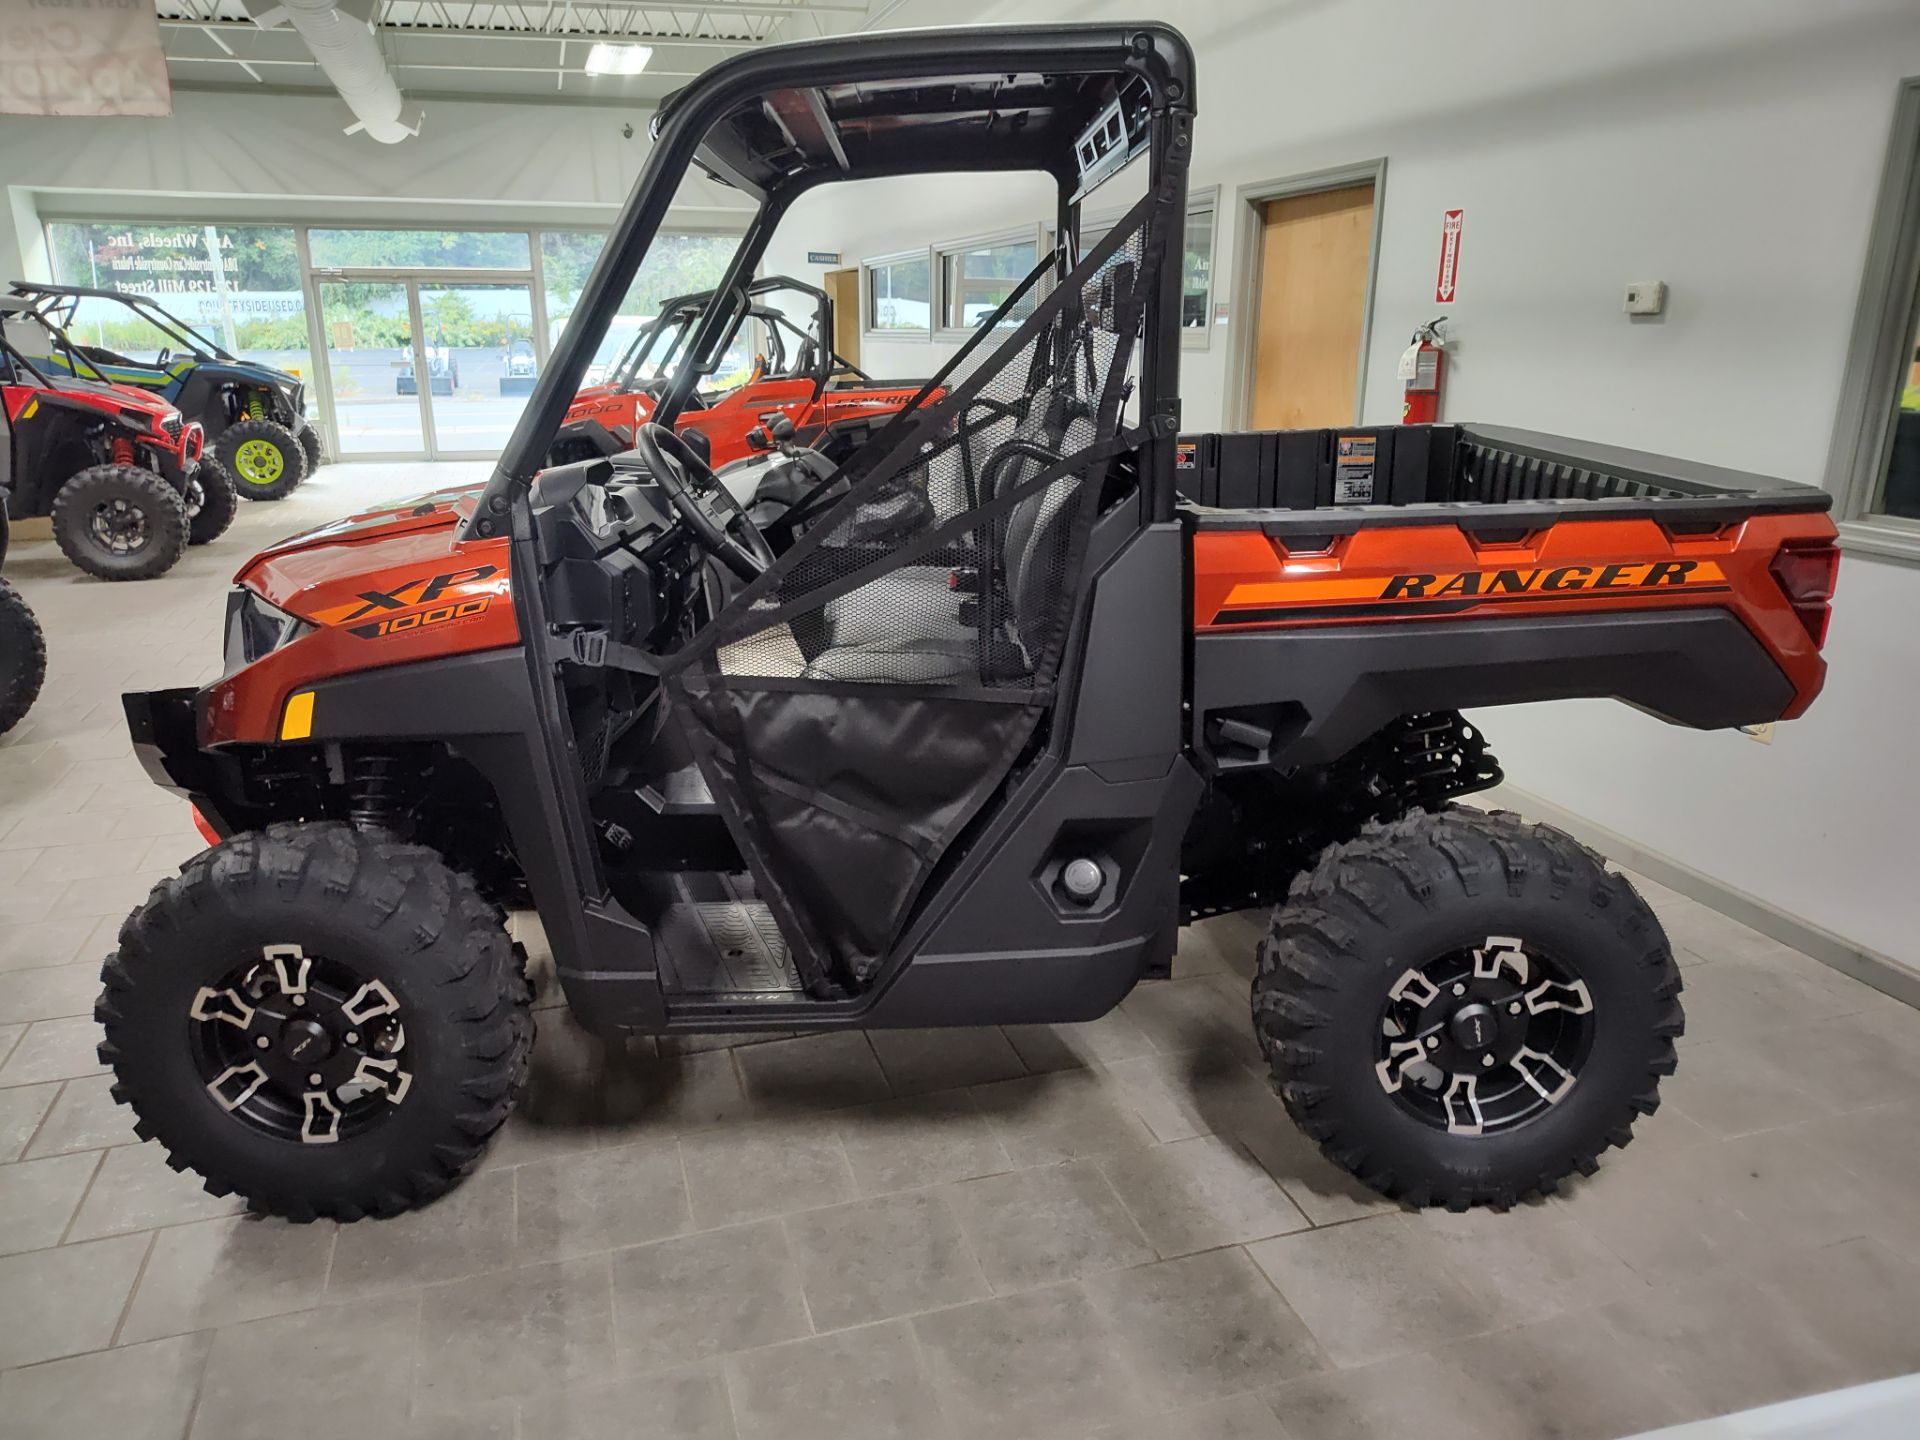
x=531 y=48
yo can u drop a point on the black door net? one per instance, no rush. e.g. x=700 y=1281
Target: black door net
x=855 y=706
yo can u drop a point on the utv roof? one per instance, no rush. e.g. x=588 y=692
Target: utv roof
x=1066 y=99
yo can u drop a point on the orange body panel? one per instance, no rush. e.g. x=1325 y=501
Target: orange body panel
x=1244 y=579
x=389 y=587
x=726 y=422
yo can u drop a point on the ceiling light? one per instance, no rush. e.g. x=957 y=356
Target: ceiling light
x=605 y=59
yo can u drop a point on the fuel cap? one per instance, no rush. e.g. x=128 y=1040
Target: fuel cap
x=1083 y=880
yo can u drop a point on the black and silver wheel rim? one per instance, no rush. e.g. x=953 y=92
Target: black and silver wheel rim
x=118 y=526
x=301 y=1047
x=1484 y=1039
x=196 y=498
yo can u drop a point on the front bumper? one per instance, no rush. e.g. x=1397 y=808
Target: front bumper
x=165 y=727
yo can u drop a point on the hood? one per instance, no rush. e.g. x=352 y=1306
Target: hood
x=312 y=573
x=103 y=393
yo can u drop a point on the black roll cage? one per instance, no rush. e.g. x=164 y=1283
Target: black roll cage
x=987 y=100
x=682 y=310
x=45 y=295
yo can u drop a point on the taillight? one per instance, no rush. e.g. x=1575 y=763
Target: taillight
x=1805 y=571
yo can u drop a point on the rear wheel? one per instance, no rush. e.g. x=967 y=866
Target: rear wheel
x=264 y=459
x=23 y=658
x=211 y=502
x=310 y=447
x=120 y=522
x=327 y=1022
x=1463 y=1008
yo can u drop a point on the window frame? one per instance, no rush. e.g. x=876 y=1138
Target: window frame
x=905 y=334
x=1037 y=233
x=1884 y=327
x=1202 y=201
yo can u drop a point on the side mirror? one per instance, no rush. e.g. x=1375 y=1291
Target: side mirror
x=700 y=443
x=779 y=425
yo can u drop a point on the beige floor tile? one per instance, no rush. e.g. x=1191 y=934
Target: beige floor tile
x=67 y=1300
x=602 y=1200
x=51 y=1050
x=468 y=1231
x=875 y=1259
x=138 y=1392
x=38 y=1198
x=370 y=1348
x=515 y=1333
x=1200 y=1193
x=136 y=1189
x=22 y=1109
x=750 y=1172
x=921 y=1140
x=813 y=1073
x=689 y=1404
x=1055 y=1222
x=223 y=1272
x=1063 y=1115
x=696 y=1297
x=868 y=1383
x=49 y=992
x=1373 y=1289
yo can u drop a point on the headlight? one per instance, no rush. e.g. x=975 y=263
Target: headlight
x=256 y=629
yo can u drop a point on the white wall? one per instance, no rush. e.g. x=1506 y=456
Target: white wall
x=1729 y=147
x=230 y=155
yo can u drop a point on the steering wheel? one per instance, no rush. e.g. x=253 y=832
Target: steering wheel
x=671 y=463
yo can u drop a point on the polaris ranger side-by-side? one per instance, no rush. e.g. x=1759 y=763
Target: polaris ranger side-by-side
x=832 y=404
x=961 y=737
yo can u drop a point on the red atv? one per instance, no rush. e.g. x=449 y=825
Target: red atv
x=23 y=649
x=116 y=466
x=790 y=371
x=969 y=733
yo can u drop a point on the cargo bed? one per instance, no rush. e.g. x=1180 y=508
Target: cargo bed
x=1400 y=569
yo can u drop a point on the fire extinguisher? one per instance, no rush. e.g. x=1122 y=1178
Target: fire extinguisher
x=1422 y=366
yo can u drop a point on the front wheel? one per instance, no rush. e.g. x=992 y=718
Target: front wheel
x=120 y=522
x=1463 y=1008
x=23 y=658
x=264 y=459
x=325 y=1021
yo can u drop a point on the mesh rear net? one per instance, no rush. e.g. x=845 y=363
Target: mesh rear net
x=854 y=707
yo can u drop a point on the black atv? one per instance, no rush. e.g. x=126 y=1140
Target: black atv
x=254 y=416
x=23 y=649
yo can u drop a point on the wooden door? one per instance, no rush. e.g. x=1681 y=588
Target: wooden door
x=1314 y=260
x=843 y=287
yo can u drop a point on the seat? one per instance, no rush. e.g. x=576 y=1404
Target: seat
x=913 y=626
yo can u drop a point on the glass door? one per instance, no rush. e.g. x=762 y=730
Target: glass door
x=374 y=365
x=478 y=338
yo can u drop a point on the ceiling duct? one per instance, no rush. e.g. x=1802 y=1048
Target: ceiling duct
x=340 y=35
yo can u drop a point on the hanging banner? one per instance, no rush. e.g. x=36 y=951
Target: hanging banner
x=1451 y=225
x=82 y=57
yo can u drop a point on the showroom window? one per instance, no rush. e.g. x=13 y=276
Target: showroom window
x=977 y=277
x=677 y=263
x=1874 y=470
x=420 y=249
x=1196 y=265
x=900 y=294
x=239 y=285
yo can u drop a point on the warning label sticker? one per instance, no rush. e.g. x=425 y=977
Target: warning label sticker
x=1353 y=469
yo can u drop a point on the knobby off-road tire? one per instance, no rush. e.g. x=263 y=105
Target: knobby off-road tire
x=359 y=906
x=23 y=658
x=120 y=522
x=212 y=502
x=264 y=459
x=1495 y=894
x=310 y=447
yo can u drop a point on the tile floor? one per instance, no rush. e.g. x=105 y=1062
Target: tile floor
x=1095 y=1230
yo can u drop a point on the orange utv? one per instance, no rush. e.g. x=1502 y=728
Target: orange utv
x=960 y=730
